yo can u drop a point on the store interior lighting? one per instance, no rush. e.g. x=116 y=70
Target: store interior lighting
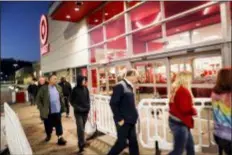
x=106 y=14
x=68 y=16
x=206 y=11
x=77 y=9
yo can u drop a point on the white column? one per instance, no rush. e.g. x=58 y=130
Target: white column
x=164 y=35
x=226 y=32
x=128 y=27
x=168 y=72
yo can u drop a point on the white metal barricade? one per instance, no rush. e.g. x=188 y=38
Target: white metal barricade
x=104 y=117
x=91 y=125
x=16 y=138
x=153 y=114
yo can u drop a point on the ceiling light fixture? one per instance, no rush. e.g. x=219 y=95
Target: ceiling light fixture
x=68 y=16
x=96 y=20
x=198 y=24
x=206 y=11
x=76 y=9
x=106 y=14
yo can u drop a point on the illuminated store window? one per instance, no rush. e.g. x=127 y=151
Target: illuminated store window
x=203 y=69
x=146 y=14
x=115 y=27
x=148 y=40
x=153 y=79
x=97 y=54
x=182 y=6
x=95 y=18
x=198 y=27
x=116 y=49
x=96 y=36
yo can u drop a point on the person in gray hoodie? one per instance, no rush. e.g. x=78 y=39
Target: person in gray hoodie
x=80 y=100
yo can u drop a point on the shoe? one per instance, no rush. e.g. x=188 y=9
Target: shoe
x=67 y=115
x=61 y=141
x=48 y=138
x=81 y=150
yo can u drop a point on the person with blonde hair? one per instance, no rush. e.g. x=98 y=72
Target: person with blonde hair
x=181 y=114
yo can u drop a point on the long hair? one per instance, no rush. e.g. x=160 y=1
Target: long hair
x=224 y=81
x=182 y=79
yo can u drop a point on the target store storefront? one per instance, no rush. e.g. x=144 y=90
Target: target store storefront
x=102 y=41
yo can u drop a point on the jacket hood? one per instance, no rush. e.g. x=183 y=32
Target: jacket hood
x=80 y=79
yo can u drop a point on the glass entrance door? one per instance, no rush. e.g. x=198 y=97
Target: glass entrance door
x=203 y=68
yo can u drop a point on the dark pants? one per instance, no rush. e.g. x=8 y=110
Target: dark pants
x=32 y=99
x=66 y=101
x=125 y=132
x=53 y=120
x=183 y=139
x=223 y=145
x=80 y=122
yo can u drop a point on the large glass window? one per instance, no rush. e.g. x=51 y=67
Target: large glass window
x=96 y=36
x=97 y=54
x=148 y=40
x=116 y=49
x=198 y=27
x=153 y=79
x=145 y=14
x=203 y=70
x=181 y=6
x=115 y=27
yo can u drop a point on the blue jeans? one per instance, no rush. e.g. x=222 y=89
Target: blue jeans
x=182 y=137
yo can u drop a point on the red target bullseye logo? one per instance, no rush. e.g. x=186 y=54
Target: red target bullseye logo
x=43 y=30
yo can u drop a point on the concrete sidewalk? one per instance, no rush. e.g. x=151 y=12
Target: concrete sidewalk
x=34 y=129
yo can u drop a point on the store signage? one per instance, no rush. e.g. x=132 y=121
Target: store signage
x=44 y=46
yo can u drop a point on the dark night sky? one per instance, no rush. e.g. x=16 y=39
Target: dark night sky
x=20 y=29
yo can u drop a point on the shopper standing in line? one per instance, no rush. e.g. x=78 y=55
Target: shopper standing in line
x=67 y=89
x=80 y=100
x=125 y=114
x=221 y=102
x=32 y=91
x=181 y=115
x=51 y=105
x=42 y=82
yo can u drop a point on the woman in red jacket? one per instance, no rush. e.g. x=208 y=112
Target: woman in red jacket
x=181 y=115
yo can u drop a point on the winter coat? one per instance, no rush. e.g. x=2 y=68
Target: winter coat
x=80 y=99
x=66 y=88
x=43 y=100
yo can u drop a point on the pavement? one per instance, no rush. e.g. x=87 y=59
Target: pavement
x=34 y=130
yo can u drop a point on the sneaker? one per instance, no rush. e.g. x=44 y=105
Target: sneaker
x=61 y=141
x=48 y=138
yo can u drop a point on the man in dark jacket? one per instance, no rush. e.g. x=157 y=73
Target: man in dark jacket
x=67 y=89
x=32 y=90
x=80 y=100
x=125 y=114
x=51 y=105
